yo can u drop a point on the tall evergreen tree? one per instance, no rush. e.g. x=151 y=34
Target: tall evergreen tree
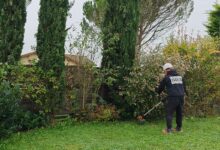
x=119 y=29
x=12 y=21
x=51 y=40
x=213 y=25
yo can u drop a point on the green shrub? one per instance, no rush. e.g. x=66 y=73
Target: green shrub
x=33 y=84
x=198 y=61
x=12 y=116
x=204 y=85
x=25 y=101
x=10 y=97
x=97 y=113
x=195 y=59
x=139 y=90
x=104 y=113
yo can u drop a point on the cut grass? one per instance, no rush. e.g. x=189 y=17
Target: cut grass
x=199 y=134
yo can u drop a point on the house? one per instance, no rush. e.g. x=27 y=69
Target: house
x=70 y=60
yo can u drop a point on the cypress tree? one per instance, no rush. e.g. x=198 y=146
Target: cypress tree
x=119 y=39
x=51 y=40
x=213 y=25
x=120 y=30
x=12 y=21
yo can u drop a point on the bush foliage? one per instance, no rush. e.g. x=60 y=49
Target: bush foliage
x=198 y=61
x=33 y=85
x=139 y=90
x=9 y=104
x=25 y=100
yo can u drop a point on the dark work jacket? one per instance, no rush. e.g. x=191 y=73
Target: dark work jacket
x=173 y=83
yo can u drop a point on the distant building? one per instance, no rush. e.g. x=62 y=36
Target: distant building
x=70 y=60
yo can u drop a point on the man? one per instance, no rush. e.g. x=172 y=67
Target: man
x=175 y=89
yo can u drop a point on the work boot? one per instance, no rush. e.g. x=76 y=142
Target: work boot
x=178 y=130
x=167 y=131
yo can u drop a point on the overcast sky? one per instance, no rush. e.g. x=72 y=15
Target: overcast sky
x=195 y=24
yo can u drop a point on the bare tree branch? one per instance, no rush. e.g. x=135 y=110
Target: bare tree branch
x=158 y=16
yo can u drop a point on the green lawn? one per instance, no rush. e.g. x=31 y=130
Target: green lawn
x=199 y=134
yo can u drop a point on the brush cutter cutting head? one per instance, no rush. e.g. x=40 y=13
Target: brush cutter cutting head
x=141 y=119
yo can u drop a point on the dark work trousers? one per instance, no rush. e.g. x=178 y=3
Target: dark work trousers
x=174 y=104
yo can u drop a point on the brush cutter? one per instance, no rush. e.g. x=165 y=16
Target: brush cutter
x=155 y=106
x=141 y=119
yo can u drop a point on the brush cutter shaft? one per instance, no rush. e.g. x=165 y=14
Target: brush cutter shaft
x=158 y=104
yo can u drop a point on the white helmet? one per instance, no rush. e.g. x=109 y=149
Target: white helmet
x=167 y=66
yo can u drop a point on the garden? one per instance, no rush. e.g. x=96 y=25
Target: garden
x=52 y=105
